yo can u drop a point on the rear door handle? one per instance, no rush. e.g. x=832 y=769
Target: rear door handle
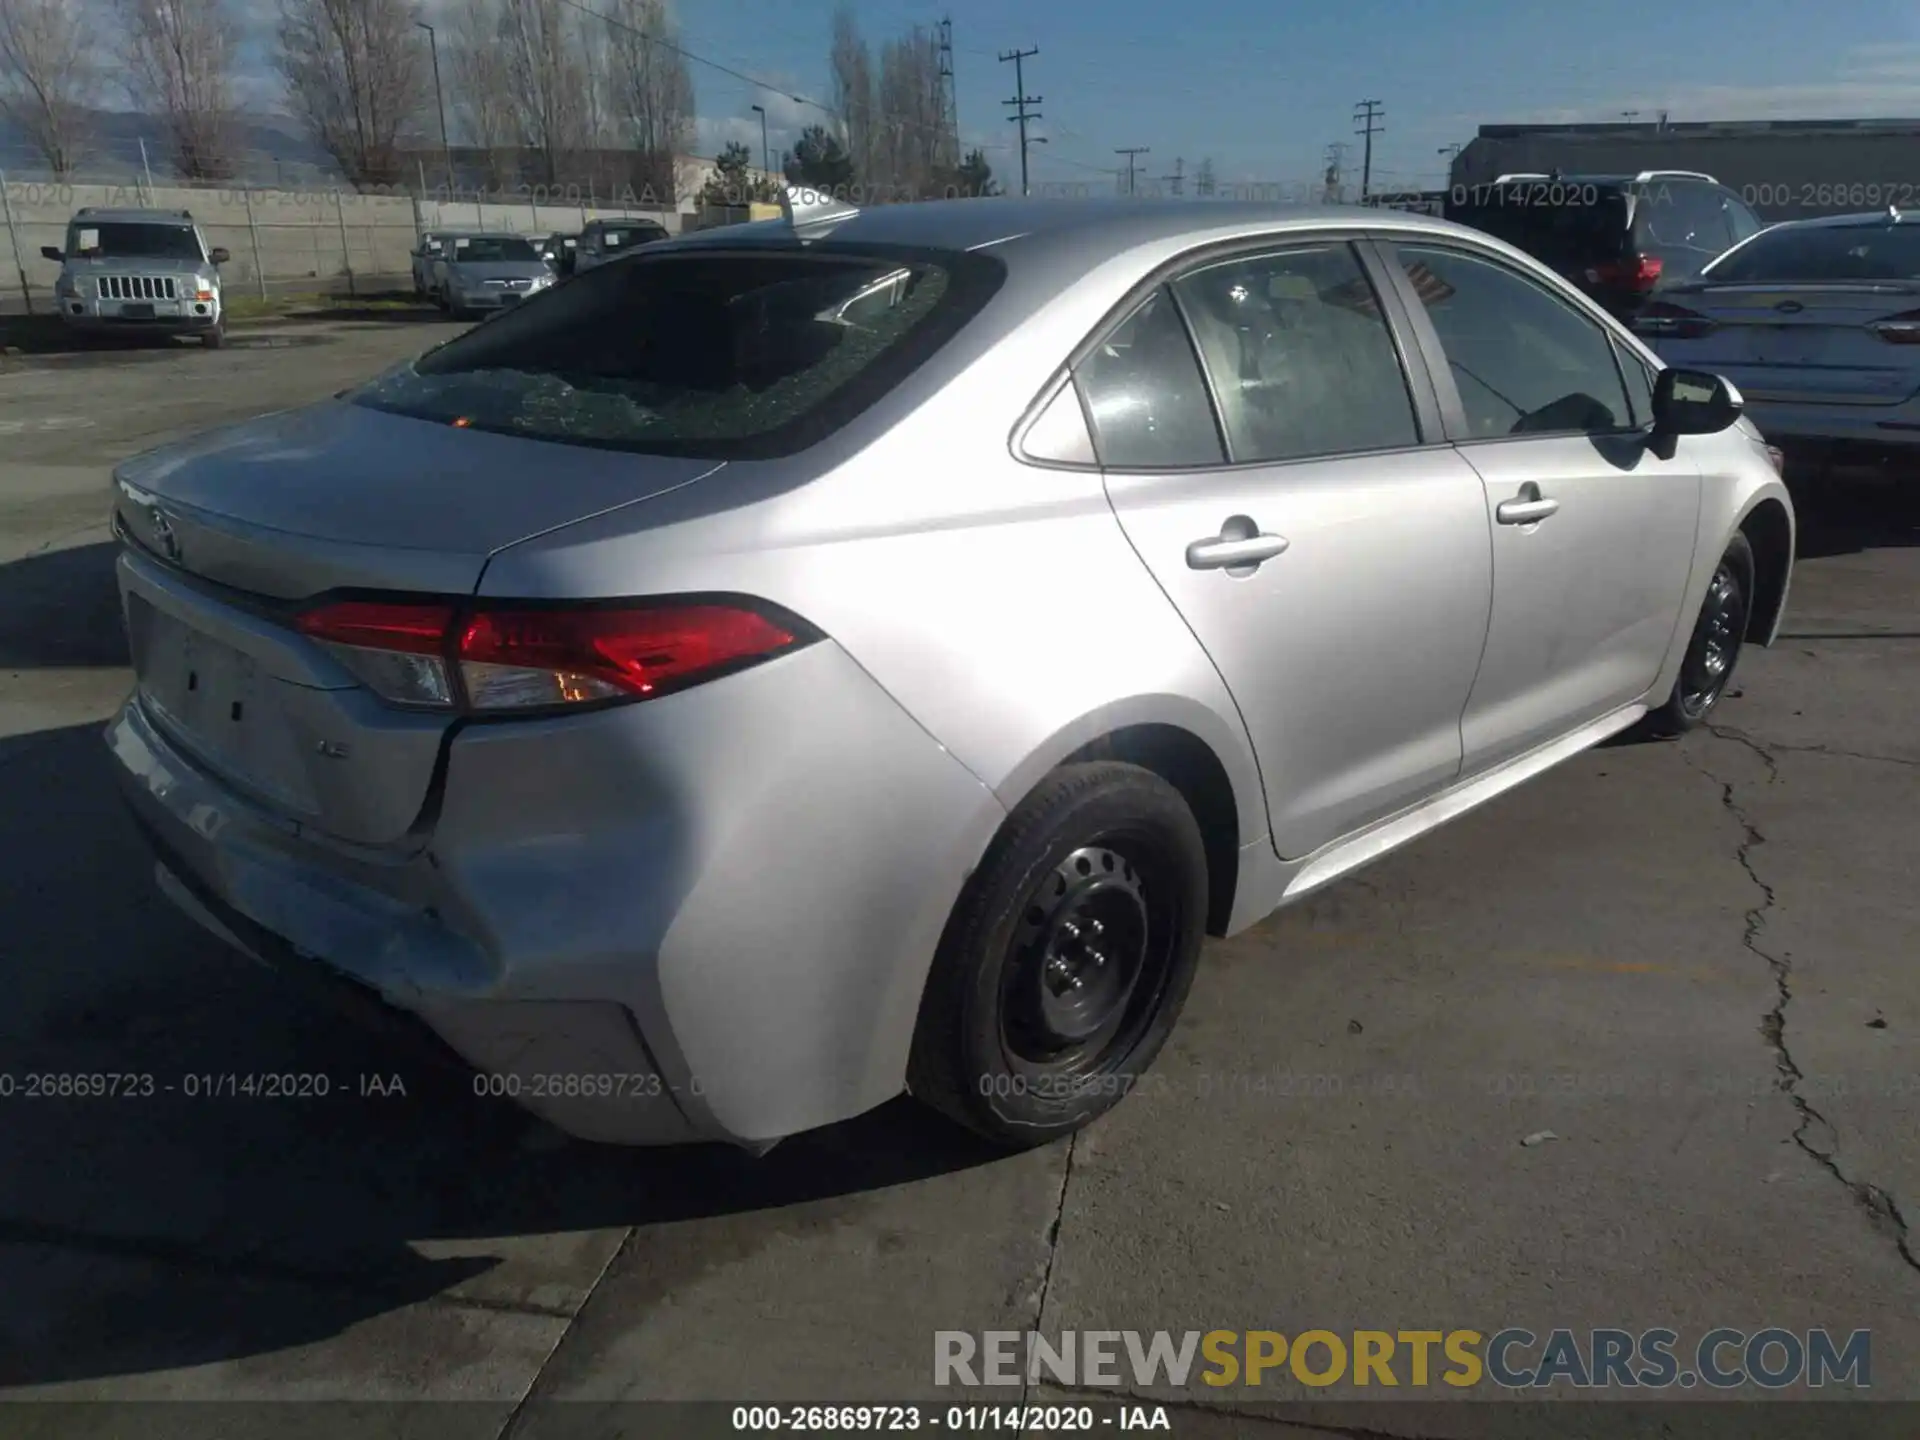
x=1528 y=507
x=1229 y=551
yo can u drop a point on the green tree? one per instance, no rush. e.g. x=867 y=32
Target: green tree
x=733 y=181
x=819 y=160
x=975 y=176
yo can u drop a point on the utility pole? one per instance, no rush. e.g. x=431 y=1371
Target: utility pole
x=439 y=95
x=951 y=113
x=1021 y=100
x=1364 y=116
x=766 y=155
x=1176 y=182
x=1130 y=151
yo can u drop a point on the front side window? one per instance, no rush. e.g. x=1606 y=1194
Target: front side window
x=736 y=355
x=1300 y=356
x=121 y=241
x=1524 y=361
x=1145 y=394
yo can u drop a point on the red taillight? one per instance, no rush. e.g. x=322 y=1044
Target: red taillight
x=536 y=657
x=378 y=625
x=1663 y=320
x=1637 y=272
x=1899 y=329
x=523 y=657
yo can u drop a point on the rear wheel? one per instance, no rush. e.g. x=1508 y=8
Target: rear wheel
x=1714 y=648
x=1068 y=958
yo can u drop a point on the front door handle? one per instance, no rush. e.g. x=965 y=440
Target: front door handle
x=1529 y=507
x=1239 y=545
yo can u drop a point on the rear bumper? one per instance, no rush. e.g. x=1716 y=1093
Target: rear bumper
x=693 y=919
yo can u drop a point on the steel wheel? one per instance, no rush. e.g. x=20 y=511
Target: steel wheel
x=1716 y=642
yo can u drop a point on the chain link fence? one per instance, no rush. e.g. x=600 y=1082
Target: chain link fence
x=322 y=240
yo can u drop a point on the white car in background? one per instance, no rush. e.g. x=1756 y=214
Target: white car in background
x=1818 y=324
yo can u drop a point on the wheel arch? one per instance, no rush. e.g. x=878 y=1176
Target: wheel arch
x=1769 y=529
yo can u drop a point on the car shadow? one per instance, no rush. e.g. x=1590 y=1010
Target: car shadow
x=60 y=609
x=314 y=1213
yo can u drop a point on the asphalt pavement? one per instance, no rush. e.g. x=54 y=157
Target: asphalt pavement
x=1685 y=971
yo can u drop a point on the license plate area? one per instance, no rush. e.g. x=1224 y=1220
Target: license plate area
x=1785 y=345
x=216 y=701
x=140 y=311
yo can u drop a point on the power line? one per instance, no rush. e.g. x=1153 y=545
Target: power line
x=1364 y=114
x=1130 y=151
x=1021 y=100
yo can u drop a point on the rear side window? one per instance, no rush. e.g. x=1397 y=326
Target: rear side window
x=738 y=355
x=1145 y=395
x=1816 y=253
x=1562 y=223
x=1300 y=356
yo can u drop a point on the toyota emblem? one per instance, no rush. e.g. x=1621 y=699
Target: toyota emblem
x=163 y=535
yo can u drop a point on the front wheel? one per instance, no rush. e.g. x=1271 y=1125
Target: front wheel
x=1714 y=648
x=1068 y=958
x=214 y=339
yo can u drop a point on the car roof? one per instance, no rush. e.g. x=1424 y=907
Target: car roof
x=131 y=217
x=483 y=235
x=1857 y=220
x=1093 y=230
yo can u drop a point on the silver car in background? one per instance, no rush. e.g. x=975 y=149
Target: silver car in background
x=477 y=274
x=867 y=652
x=604 y=240
x=1818 y=323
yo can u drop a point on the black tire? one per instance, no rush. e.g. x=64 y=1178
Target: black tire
x=1028 y=1029
x=1713 y=650
x=214 y=339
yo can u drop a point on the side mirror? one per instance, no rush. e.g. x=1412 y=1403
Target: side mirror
x=1694 y=402
x=54 y=253
x=219 y=255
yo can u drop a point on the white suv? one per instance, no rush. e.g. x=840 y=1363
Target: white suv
x=140 y=270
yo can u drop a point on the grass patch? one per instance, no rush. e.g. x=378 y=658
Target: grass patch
x=242 y=308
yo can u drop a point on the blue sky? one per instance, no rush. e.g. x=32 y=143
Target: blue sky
x=1263 y=89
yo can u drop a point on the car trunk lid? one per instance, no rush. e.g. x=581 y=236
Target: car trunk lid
x=1826 y=344
x=233 y=533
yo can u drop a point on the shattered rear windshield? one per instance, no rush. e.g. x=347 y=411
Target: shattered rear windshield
x=731 y=355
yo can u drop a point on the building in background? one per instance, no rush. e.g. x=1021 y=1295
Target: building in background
x=1783 y=169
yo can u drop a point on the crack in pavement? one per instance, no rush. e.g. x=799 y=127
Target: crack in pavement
x=1879 y=1204
x=1742 y=738
x=1053 y=1253
x=511 y=1424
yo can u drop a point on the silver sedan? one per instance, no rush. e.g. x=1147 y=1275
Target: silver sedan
x=867 y=652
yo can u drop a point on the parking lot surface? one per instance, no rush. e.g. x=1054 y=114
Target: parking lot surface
x=1683 y=971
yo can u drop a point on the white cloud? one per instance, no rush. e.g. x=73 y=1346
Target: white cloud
x=1871 y=82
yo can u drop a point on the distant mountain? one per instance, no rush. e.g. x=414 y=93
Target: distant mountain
x=273 y=151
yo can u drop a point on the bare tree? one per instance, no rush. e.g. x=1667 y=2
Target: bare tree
x=356 y=75
x=179 y=63
x=480 y=85
x=546 y=81
x=854 y=98
x=651 y=88
x=48 y=76
x=920 y=153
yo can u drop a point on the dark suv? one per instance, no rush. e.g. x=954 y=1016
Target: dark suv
x=1618 y=237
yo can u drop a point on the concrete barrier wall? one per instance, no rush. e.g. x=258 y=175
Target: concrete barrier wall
x=282 y=241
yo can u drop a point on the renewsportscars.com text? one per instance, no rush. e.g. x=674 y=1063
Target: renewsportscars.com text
x=1515 y=1359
